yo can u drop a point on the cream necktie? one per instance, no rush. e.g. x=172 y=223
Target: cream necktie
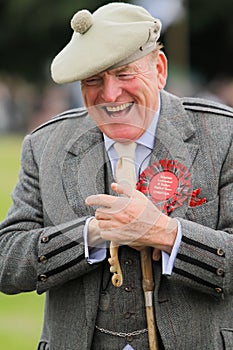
x=125 y=168
x=125 y=174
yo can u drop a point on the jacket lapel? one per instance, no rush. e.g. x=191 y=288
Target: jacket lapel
x=175 y=134
x=83 y=169
x=175 y=139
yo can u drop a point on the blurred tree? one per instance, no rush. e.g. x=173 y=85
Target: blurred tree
x=33 y=31
x=211 y=37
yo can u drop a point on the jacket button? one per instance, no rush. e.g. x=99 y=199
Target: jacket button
x=42 y=259
x=218 y=290
x=44 y=239
x=129 y=338
x=220 y=252
x=220 y=272
x=43 y=278
x=127 y=315
x=128 y=289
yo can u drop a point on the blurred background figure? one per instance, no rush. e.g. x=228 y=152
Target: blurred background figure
x=4 y=108
x=197 y=35
x=219 y=89
x=52 y=101
x=175 y=37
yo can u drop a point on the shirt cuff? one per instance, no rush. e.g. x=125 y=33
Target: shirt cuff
x=168 y=260
x=95 y=255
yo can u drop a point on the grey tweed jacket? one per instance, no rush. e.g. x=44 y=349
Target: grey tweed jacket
x=41 y=240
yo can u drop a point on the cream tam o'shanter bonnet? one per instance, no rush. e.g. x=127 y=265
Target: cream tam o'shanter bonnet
x=114 y=35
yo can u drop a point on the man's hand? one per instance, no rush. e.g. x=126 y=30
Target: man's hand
x=94 y=237
x=132 y=219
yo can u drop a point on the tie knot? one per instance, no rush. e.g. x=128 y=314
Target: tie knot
x=126 y=150
x=125 y=169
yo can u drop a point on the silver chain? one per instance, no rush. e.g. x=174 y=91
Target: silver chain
x=122 y=334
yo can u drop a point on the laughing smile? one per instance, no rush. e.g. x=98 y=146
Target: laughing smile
x=118 y=110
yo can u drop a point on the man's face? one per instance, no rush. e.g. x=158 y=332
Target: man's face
x=123 y=101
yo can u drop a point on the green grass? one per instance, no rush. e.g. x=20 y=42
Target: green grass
x=20 y=315
x=9 y=165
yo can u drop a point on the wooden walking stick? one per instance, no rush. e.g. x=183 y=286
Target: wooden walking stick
x=148 y=288
x=147 y=285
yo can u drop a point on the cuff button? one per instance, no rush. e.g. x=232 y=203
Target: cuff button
x=43 y=278
x=220 y=272
x=42 y=259
x=220 y=252
x=44 y=239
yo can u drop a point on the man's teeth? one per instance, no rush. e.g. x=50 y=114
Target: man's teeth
x=118 y=108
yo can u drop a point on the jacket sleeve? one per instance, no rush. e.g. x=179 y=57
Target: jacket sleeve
x=33 y=256
x=204 y=260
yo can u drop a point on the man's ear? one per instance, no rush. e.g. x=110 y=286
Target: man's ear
x=161 y=66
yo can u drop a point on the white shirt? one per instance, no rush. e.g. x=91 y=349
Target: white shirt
x=145 y=145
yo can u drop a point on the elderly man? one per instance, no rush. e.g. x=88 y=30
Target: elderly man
x=138 y=168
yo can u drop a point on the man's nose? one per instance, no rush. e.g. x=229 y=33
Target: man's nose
x=111 y=89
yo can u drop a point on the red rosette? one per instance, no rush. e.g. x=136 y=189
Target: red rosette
x=167 y=183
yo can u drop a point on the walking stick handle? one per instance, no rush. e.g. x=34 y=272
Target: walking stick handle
x=115 y=268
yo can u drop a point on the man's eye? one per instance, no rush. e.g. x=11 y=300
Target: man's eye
x=125 y=76
x=92 y=81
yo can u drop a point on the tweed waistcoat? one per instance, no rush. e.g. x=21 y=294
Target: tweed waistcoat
x=122 y=309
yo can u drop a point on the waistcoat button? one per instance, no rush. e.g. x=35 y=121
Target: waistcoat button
x=129 y=338
x=128 y=262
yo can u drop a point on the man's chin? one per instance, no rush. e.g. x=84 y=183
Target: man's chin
x=123 y=133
